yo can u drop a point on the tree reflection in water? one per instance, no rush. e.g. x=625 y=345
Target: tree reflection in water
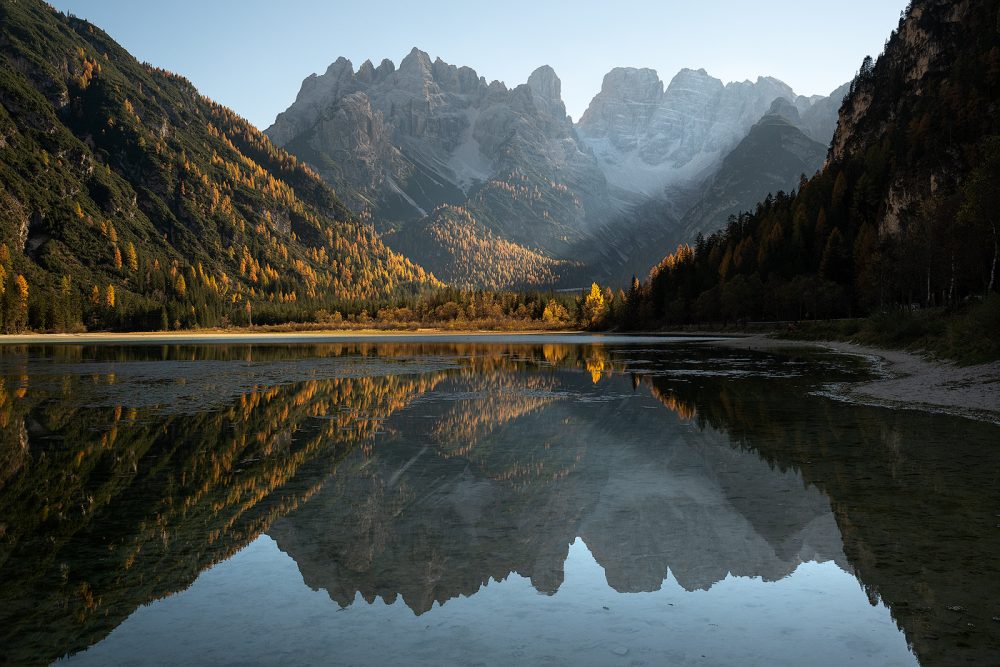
x=423 y=471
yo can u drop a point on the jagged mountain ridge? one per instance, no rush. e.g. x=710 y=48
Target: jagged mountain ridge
x=399 y=143
x=903 y=212
x=773 y=157
x=648 y=138
x=429 y=133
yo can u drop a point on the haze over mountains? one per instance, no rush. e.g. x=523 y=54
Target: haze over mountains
x=443 y=162
x=903 y=212
x=647 y=138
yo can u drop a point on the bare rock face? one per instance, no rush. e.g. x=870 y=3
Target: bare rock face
x=431 y=133
x=317 y=94
x=648 y=139
x=628 y=99
x=545 y=86
x=819 y=121
x=399 y=143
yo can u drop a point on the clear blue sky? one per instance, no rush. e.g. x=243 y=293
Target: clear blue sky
x=252 y=55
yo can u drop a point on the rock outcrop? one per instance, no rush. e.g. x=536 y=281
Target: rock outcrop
x=431 y=133
x=773 y=157
x=648 y=139
x=398 y=144
x=932 y=91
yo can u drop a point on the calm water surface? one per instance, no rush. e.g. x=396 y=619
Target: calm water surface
x=577 y=501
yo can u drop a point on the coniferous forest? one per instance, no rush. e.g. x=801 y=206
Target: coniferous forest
x=904 y=214
x=129 y=200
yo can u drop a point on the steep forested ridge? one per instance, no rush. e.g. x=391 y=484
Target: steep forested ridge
x=466 y=253
x=128 y=199
x=773 y=156
x=904 y=211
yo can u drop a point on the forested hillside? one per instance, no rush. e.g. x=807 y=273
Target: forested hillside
x=466 y=253
x=129 y=200
x=904 y=213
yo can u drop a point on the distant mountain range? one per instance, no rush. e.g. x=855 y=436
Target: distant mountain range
x=429 y=142
x=648 y=139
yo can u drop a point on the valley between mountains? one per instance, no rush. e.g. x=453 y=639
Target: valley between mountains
x=422 y=193
x=495 y=187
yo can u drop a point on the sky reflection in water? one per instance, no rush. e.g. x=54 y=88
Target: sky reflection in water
x=482 y=504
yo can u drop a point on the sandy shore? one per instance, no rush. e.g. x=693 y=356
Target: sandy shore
x=906 y=380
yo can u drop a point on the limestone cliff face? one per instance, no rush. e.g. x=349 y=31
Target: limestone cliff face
x=917 y=56
x=924 y=99
x=648 y=139
x=430 y=133
x=400 y=144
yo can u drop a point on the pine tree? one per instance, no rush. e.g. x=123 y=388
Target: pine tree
x=132 y=257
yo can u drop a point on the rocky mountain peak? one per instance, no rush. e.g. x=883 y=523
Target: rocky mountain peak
x=634 y=83
x=366 y=73
x=340 y=67
x=761 y=80
x=627 y=99
x=408 y=140
x=699 y=76
x=782 y=107
x=648 y=138
x=544 y=83
x=416 y=64
x=693 y=86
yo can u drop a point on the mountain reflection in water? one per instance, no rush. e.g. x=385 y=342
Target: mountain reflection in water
x=424 y=472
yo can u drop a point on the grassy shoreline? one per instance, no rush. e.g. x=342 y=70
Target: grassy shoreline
x=966 y=335
x=969 y=335
x=327 y=334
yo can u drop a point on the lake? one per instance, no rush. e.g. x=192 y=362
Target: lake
x=565 y=500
